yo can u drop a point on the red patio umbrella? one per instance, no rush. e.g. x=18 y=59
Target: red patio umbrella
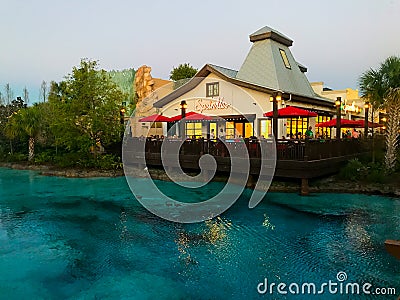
x=155 y=118
x=291 y=111
x=192 y=116
x=343 y=124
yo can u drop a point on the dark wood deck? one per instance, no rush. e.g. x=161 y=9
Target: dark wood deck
x=303 y=159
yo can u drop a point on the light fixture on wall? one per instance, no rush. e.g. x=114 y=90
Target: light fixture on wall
x=183 y=107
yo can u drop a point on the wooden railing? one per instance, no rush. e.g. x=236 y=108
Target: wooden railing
x=299 y=150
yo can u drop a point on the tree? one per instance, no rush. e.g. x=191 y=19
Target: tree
x=6 y=114
x=392 y=104
x=381 y=88
x=9 y=95
x=183 y=71
x=87 y=107
x=43 y=91
x=27 y=121
x=26 y=95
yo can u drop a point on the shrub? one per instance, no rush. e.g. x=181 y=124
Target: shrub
x=16 y=157
x=105 y=161
x=354 y=170
x=376 y=176
x=67 y=160
x=44 y=157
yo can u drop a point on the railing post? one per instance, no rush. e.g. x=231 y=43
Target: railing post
x=305 y=189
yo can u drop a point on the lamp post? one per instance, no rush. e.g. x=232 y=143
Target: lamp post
x=372 y=135
x=366 y=110
x=274 y=99
x=183 y=107
x=122 y=115
x=338 y=104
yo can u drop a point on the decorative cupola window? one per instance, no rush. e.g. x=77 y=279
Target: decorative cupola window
x=285 y=58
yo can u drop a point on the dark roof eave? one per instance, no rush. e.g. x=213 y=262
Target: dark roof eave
x=317 y=101
x=273 y=36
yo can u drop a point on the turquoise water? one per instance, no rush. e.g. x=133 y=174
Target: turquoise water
x=90 y=239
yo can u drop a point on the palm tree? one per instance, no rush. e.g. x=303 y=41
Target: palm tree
x=372 y=88
x=392 y=104
x=381 y=88
x=31 y=124
x=26 y=121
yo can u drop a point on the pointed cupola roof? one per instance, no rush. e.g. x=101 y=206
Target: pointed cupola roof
x=269 y=33
x=271 y=64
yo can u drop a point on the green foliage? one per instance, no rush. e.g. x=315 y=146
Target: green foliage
x=376 y=175
x=82 y=115
x=376 y=83
x=15 y=157
x=44 y=157
x=87 y=105
x=125 y=81
x=74 y=159
x=382 y=88
x=27 y=121
x=104 y=162
x=356 y=170
x=67 y=160
x=183 y=71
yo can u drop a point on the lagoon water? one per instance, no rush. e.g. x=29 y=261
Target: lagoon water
x=90 y=239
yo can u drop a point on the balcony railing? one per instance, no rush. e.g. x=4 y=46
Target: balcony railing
x=298 y=150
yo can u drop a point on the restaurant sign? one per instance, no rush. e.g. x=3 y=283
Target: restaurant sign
x=352 y=108
x=211 y=104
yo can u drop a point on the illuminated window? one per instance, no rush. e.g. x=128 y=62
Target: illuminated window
x=212 y=89
x=248 y=131
x=238 y=130
x=193 y=130
x=156 y=125
x=323 y=132
x=213 y=128
x=230 y=130
x=285 y=58
x=266 y=128
x=295 y=126
x=156 y=129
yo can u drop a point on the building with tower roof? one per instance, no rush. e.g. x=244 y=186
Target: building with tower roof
x=241 y=97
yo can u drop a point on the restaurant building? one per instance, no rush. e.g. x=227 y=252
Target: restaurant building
x=242 y=97
x=352 y=106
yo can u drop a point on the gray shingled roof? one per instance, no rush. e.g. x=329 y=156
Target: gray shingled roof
x=264 y=66
x=227 y=72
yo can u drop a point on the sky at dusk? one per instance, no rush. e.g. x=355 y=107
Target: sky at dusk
x=336 y=40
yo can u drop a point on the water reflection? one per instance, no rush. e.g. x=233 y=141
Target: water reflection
x=214 y=234
x=357 y=235
x=267 y=223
